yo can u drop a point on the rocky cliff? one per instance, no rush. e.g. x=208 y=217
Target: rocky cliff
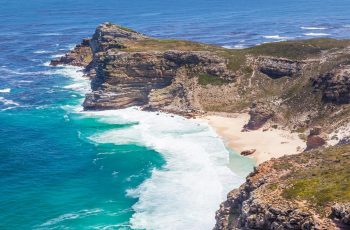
x=296 y=84
x=305 y=191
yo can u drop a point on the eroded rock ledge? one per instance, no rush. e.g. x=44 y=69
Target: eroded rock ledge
x=296 y=83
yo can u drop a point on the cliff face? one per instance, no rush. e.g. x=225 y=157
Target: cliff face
x=335 y=85
x=154 y=79
x=305 y=191
x=296 y=84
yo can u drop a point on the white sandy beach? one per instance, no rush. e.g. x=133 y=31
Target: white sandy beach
x=271 y=143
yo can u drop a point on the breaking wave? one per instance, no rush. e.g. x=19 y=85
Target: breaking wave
x=187 y=191
x=7 y=90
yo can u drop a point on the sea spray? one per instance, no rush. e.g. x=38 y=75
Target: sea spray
x=187 y=190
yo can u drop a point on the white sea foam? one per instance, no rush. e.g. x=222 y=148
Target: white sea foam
x=185 y=193
x=316 y=34
x=50 y=34
x=313 y=28
x=71 y=46
x=195 y=179
x=79 y=83
x=239 y=46
x=11 y=71
x=4 y=69
x=8 y=102
x=7 y=90
x=57 y=55
x=47 y=64
x=71 y=216
x=41 y=52
x=278 y=37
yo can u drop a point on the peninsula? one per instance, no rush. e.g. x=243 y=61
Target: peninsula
x=285 y=104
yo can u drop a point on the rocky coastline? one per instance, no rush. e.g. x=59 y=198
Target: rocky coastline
x=299 y=85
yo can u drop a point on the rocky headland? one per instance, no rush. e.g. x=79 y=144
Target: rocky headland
x=302 y=86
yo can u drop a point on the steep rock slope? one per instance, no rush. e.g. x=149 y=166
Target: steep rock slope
x=306 y=191
x=299 y=84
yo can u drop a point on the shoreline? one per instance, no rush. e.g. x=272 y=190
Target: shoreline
x=267 y=142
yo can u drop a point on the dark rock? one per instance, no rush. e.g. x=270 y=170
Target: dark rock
x=279 y=67
x=341 y=212
x=335 y=85
x=248 y=152
x=81 y=55
x=344 y=141
x=147 y=79
x=259 y=114
x=250 y=206
x=315 y=130
x=314 y=141
x=109 y=36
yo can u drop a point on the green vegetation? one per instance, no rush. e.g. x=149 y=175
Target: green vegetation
x=282 y=166
x=126 y=29
x=324 y=182
x=207 y=79
x=236 y=58
x=299 y=49
x=300 y=130
x=273 y=186
x=167 y=44
x=121 y=27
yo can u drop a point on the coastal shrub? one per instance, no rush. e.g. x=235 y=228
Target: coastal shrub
x=126 y=29
x=323 y=183
x=208 y=79
x=298 y=49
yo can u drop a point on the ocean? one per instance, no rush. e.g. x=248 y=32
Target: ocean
x=65 y=168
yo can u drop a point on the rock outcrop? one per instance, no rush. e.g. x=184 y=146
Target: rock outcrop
x=154 y=80
x=248 y=152
x=314 y=141
x=341 y=212
x=250 y=206
x=149 y=79
x=128 y=68
x=272 y=197
x=279 y=67
x=259 y=113
x=81 y=55
x=335 y=85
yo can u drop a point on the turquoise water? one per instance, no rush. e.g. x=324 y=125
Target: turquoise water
x=62 y=168
x=53 y=176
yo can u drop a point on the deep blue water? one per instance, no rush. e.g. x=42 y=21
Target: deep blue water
x=61 y=168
